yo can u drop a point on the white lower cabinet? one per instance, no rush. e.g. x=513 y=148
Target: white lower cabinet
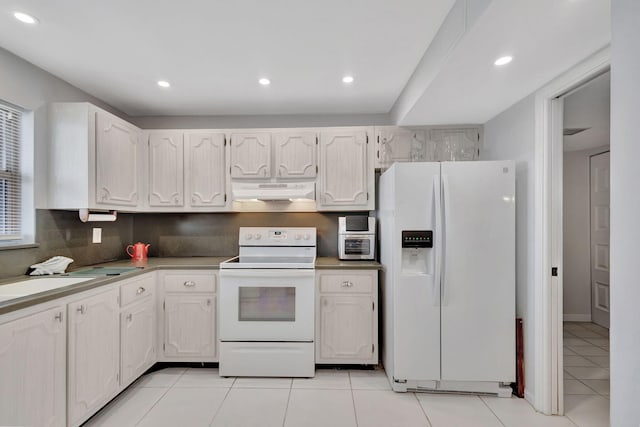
x=347 y=316
x=189 y=310
x=33 y=370
x=137 y=327
x=93 y=354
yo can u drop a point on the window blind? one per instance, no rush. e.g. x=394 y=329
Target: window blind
x=10 y=176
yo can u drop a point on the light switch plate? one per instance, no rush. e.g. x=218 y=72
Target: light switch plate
x=97 y=235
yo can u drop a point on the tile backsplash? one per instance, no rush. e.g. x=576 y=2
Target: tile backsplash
x=170 y=235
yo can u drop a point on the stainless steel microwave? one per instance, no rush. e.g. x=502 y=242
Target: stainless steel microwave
x=356 y=238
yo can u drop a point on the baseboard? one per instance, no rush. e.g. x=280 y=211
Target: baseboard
x=529 y=398
x=577 y=317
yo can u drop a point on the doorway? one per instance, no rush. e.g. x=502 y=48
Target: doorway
x=585 y=246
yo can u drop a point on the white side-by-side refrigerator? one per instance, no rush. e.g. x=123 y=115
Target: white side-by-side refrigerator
x=447 y=246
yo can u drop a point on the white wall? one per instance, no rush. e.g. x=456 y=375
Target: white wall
x=576 y=265
x=625 y=209
x=30 y=87
x=510 y=135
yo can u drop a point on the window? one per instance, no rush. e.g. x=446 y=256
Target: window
x=10 y=174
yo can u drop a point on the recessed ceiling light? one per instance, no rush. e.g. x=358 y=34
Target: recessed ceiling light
x=264 y=81
x=25 y=17
x=503 y=60
x=163 y=83
x=347 y=79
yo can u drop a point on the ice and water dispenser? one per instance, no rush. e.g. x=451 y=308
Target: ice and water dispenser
x=416 y=254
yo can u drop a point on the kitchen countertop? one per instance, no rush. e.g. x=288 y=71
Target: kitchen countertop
x=152 y=264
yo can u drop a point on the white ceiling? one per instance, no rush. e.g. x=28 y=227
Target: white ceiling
x=545 y=38
x=213 y=53
x=589 y=107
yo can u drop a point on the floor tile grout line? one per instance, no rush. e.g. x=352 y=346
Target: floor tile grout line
x=161 y=397
x=215 y=414
x=286 y=408
x=492 y=411
x=424 y=411
x=353 y=400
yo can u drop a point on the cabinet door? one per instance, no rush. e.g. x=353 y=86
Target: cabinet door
x=295 y=154
x=206 y=184
x=166 y=170
x=33 y=370
x=455 y=144
x=190 y=325
x=346 y=329
x=137 y=339
x=117 y=161
x=251 y=155
x=343 y=170
x=94 y=354
x=401 y=145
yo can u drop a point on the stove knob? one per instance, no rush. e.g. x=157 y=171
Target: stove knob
x=248 y=236
x=307 y=237
x=258 y=236
x=297 y=237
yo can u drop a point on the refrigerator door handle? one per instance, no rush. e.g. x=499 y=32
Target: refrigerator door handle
x=435 y=289
x=445 y=242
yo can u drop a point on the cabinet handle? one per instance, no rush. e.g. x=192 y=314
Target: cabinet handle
x=189 y=283
x=140 y=290
x=81 y=309
x=129 y=317
x=59 y=317
x=347 y=284
x=208 y=302
x=176 y=201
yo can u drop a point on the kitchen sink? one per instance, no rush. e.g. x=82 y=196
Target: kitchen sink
x=103 y=271
x=34 y=286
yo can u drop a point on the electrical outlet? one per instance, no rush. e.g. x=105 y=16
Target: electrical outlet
x=97 y=235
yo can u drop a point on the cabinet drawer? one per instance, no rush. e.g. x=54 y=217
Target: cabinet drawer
x=190 y=282
x=137 y=290
x=351 y=283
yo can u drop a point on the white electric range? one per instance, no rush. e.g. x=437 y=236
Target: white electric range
x=267 y=304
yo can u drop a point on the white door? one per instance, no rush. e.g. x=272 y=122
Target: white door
x=33 y=370
x=117 y=161
x=189 y=325
x=412 y=192
x=346 y=327
x=600 y=239
x=205 y=173
x=478 y=271
x=166 y=188
x=251 y=155
x=94 y=353
x=295 y=154
x=137 y=338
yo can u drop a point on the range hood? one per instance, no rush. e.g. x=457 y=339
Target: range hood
x=273 y=191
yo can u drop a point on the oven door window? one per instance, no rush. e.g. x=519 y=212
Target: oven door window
x=267 y=304
x=357 y=247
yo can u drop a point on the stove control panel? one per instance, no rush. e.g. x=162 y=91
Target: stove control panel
x=271 y=236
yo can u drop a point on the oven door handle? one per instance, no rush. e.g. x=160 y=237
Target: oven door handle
x=265 y=272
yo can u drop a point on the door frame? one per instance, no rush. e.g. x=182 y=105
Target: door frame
x=547 y=396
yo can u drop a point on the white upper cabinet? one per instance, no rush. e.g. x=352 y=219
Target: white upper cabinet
x=117 y=161
x=166 y=169
x=400 y=145
x=295 y=154
x=455 y=143
x=251 y=155
x=346 y=174
x=95 y=159
x=205 y=171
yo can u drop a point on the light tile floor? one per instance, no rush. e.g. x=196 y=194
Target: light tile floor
x=586 y=374
x=188 y=397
